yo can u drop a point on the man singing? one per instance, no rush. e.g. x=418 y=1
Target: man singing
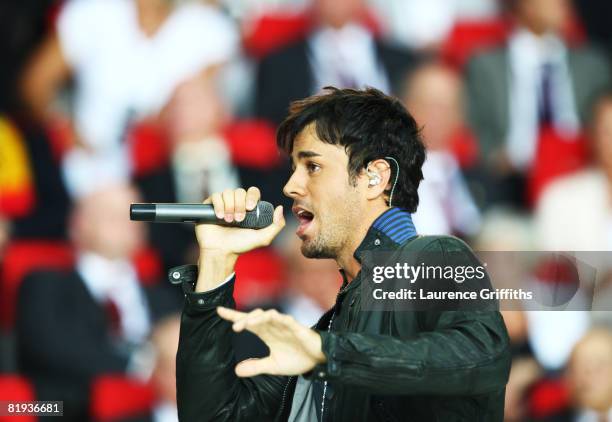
x=356 y=158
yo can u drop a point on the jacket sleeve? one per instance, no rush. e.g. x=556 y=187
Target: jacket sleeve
x=457 y=352
x=466 y=354
x=207 y=386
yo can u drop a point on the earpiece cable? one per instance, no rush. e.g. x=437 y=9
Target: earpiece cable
x=395 y=181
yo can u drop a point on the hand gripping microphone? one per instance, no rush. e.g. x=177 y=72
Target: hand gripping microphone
x=258 y=218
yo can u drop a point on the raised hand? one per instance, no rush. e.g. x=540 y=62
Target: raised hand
x=220 y=246
x=294 y=348
x=231 y=205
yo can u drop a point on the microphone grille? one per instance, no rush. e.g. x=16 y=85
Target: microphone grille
x=259 y=218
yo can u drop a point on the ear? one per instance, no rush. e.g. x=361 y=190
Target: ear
x=381 y=169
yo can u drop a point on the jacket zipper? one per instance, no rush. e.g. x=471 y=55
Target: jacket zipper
x=282 y=406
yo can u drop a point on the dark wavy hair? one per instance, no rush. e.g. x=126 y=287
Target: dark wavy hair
x=369 y=125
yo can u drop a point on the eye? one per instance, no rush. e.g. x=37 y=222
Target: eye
x=312 y=167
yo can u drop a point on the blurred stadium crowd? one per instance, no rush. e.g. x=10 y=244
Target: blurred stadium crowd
x=108 y=102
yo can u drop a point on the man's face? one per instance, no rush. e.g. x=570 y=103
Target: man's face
x=338 y=13
x=102 y=226
x=326 y=203
x=544 y=15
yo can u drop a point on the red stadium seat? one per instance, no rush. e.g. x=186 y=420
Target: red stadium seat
x=16 y=388
x=275 y=30
x=149 y=148
x=114 y=398
x=148 y=266
x=464 y=147
x=252 y=144
x=22 y=257
x=556 y=156
x=548 y=397
x=261 y=275
x=468 y=37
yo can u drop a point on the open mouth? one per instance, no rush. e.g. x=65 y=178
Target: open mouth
x=304 y=218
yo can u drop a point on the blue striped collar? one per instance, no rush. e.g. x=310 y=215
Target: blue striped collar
x=396 y=223
x=389 y=230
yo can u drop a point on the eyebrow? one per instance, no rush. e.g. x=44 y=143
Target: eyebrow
x=307 y=154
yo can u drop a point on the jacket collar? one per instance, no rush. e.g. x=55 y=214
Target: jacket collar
x=391 y=229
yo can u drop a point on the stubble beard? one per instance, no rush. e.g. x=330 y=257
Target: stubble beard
x=334 y=235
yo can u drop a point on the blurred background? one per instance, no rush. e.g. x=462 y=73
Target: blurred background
x=108 y=102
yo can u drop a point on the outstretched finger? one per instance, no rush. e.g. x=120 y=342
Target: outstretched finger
x=242 y=322
x=252 y=367
x=230 y=314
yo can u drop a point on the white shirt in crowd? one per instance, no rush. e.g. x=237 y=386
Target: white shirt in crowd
x=123 y=75
x=528 y=54
x=116 y=280
x=332 y=49
x=418 y=23
x=574 y=213
x=445 y=203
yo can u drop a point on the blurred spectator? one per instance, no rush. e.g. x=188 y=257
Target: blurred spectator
x=523 y=374
x=584 y=197
x=194 y=160
x=516 y=324
x=433 y=96
x=127 y=57
x=339 y=51
x=534 y=85
x=72 y=327
x=165 y=339
x=201 y=160
x=590 y=377
x=312 y=284
x=503 y=230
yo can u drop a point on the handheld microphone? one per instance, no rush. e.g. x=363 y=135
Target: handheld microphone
x=258 y=218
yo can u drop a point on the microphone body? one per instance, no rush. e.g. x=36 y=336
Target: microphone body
x=258 y=218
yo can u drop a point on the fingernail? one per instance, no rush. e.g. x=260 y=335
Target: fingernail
x=219 y=214
x=250 y=205
x=239 y=216
x=229 y=218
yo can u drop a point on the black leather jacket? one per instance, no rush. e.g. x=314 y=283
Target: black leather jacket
x=381 y=366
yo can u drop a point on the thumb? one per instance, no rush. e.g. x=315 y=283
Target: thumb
x=278 y=222
x=252 y=367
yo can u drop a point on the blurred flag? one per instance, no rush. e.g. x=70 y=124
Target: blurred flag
x=16 y=188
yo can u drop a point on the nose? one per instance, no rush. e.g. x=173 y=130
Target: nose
x=294 y=186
